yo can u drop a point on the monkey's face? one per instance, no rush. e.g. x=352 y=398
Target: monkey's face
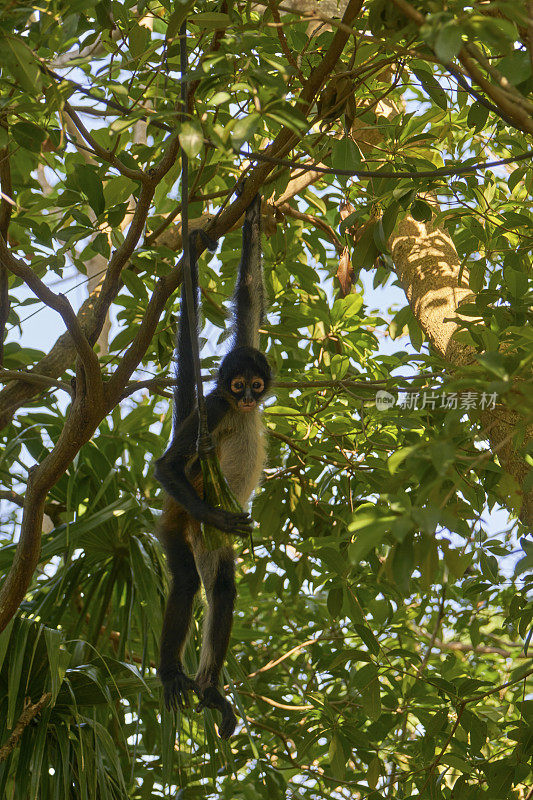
x=246 y=391
x=244 y=378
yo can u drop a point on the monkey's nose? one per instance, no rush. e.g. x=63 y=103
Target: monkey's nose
x=247 y=405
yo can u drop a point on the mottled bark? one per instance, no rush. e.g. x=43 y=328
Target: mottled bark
x=428 y=269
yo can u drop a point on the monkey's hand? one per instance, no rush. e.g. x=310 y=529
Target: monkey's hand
x=237 y=522
x=176 y=688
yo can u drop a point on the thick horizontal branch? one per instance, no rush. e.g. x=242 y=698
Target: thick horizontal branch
x=160 y=382
x=51 y=509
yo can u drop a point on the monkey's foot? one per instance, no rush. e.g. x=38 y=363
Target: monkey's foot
x=210 y=697
x=176 y=688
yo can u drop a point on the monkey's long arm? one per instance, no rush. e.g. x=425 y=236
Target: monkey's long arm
x=249 y=292
x=170 y=471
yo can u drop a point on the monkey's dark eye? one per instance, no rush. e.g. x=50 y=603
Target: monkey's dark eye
x=237 y=385
x=258 y=385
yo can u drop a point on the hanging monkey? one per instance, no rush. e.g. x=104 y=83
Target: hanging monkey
x=234 y=420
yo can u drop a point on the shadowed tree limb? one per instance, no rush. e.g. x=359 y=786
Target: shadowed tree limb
x=29 y=713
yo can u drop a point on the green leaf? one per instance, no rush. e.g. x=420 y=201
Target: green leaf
x=178 y=16
x=288 y=116
x=336 y=757
x=138 y=39
x=143 y=572
x=118 y=190
x=21 y=62
x=54 y=640
x=345 y=155
x=219 y=98
x=374 y=772
x=477 y=116
x=243 y=130
x=432 y=87
x=366 y=635
x=396 y=459
x=28 y=135
x=448 y=42
x=365 y=251
x=516 y=67
x=366 y=541
x=455 y=761
x=421 y=211
x=476 y=275
x=191 y=138
x=17 y=656
x=457 y=562
x=91 y=185
x=211 y=20
x=371 y=700
x=494 y=362
x=403 y=564
x=437 y=722
x=489 y=566
x=335 y=597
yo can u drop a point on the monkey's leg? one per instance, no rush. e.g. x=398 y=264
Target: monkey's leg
x=218 y=575
x=177 y=618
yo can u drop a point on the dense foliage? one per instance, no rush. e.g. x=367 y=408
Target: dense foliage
x=380 y=644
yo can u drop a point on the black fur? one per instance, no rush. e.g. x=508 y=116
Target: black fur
x=249 y=298
x=241 y=360
x=238 y=441
x=185 y=389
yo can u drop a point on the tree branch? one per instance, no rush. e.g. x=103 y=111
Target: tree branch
x=510 y=105
x=286 y=139
x=51 y=509
x=316 y=221
x=29 y=713
x=101 y=152
x=60 y=304
x=283 y=39
x=52 y=365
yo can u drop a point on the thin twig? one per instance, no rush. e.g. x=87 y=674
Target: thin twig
x=7 y=375
x=102 y=152
x=285 y=208
x=438 y=622
x=446 y=744
x=283 y=40
x=441 y=172
x=283 y=706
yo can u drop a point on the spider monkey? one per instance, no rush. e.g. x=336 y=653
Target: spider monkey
x=234 y=420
